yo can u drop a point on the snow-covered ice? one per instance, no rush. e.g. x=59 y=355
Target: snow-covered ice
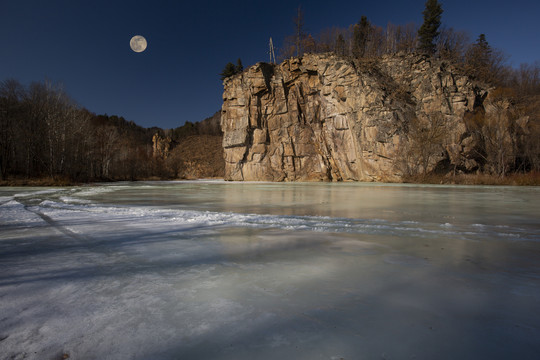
x=216 y=270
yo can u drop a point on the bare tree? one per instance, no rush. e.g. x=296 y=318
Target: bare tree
x=399 y=38
x=327 y=39
x=526 y=80
x=424 y=148
x=11 y=95
x=498 y=141
x=408 y=37
x=375 y=45
x=485 y=63
x=452 y=45
x=391 y=38
x=57 y=114
x=299 y=31
x=106 y=144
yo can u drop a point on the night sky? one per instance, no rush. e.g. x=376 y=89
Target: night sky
x=85 y=44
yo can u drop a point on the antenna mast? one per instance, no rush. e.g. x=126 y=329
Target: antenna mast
x=272 y=55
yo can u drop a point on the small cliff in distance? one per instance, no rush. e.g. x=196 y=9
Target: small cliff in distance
x=329 y=118
x=191 y=151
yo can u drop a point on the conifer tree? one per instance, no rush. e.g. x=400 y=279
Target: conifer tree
x=480 y=62
x=229 y=70
x=340 y=45
x=360 y=37
x=429 y=31
x=239 y=66
x=483 y=48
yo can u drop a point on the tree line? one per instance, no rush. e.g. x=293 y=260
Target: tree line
x=45 y=134
x=365 y=40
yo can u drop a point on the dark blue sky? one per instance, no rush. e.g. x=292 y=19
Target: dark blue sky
x=85 y=44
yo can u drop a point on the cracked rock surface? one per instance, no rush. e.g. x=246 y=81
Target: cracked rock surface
x=327 y=118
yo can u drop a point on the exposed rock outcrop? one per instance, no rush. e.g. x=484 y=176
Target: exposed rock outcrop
x=161 y=146
x=326 y=118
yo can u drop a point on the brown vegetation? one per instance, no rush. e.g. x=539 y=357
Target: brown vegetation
x=45 y=181
x=196 y=157
x=515 y=179
x=46 y=139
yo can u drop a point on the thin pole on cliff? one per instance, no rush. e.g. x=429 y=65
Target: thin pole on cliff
x=272 y=55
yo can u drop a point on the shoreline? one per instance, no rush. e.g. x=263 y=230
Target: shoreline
x=516 y=179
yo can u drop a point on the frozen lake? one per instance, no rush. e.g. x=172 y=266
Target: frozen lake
x=216 y=270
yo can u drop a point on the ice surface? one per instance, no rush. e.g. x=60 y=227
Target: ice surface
x=215 y=270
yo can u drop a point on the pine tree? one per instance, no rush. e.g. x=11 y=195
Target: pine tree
x=483 y=47
x=478 y=60
x=340 y=45
x=239 y=66
x=429 y=31
x=229 y=70
x=360 y=37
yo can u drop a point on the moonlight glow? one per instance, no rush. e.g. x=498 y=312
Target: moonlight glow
x=138 y=43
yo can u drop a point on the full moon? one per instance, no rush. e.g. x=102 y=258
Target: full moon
x=138 y=43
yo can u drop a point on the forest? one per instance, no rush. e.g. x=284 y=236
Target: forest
x=44 y=134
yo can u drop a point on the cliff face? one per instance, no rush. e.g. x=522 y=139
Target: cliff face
x=325 y=118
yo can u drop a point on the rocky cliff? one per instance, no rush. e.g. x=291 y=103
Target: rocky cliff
x=326 y=118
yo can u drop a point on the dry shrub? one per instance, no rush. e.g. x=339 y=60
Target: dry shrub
x=514 y=179
x=196 y=157
x=43 y=181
